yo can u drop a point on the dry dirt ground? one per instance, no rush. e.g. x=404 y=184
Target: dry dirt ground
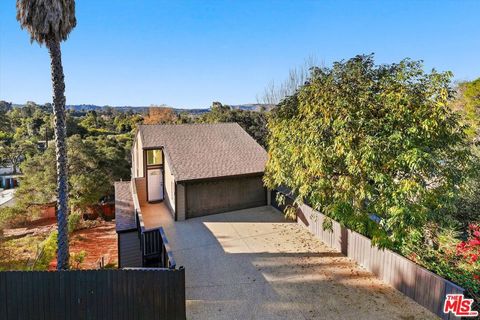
x=20 y=245
x=34 y=228
x=97 y=242
x=252 y=264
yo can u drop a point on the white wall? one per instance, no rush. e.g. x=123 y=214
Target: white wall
x=169 y=185
x=134 y=158
x=137 y=157
x=6 y=170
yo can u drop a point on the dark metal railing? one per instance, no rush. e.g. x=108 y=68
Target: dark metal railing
x=167 y=254
x=156 y=250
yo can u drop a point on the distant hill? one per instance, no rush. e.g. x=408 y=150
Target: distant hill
x=141 y=109
x=92 y=107
x=144 y=109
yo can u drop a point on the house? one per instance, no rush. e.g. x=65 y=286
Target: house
x=187 y=170
x=8 y=179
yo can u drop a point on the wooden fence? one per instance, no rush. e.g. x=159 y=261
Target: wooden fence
x=416 y=282
x=93 y=294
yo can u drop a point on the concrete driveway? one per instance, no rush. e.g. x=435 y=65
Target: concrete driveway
x=252 y=264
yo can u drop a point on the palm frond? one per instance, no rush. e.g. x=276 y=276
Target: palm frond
x=46 y=18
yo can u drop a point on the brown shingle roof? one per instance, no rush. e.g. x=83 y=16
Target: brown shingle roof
x=124 y=212
x=200 y=151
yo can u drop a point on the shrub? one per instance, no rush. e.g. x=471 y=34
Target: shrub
x=360 y=139
x=458 y=261
x=11 y=216
x=74 y=219
x=46 y=252
x=76 y=259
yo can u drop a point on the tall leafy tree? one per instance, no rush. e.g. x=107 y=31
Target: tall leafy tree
x=12 y=154
x=361 y=139
x=4 y=108
x=49 y=22
x=468 y=102
x=93 y=166
x=253 y=122
x=160 y=115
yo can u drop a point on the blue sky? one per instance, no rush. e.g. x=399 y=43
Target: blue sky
x=190 y=53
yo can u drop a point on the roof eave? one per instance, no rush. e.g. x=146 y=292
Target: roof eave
x=241 y=175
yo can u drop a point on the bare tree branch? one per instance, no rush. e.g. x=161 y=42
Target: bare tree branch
x=274 y=93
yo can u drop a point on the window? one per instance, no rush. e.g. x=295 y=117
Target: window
x=154 y=157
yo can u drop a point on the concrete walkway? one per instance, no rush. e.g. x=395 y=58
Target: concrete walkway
x=252 y=264
x=155 y=214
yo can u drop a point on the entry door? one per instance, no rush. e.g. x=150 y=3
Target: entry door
x=155 y=185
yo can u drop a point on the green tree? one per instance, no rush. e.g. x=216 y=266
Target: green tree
x=50 y=23
x=4 y=121
x=88 y=180
x=125 y=122
x=5 y=106
x=472 y=104
x=92 y=121
x=468 y=103
x=113 y=157
x=73 y=126
x=13 y=154
x=253 y=122
x=361 y=139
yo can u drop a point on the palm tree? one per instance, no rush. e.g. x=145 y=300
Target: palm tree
x=49 y=22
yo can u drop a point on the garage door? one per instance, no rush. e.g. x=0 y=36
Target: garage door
x=218 y=196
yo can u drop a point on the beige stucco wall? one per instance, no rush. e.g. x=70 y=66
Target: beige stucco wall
x=141 y=186
x=169 y=186
x=181 y=208
x=139 y=151
x=134 y=159
x=137 y=157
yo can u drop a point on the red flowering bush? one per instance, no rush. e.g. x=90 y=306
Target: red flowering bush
x=469 y=250
x=466 y=260
x=453 y=259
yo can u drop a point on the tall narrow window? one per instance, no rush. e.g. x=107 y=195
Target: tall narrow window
x=154 y=157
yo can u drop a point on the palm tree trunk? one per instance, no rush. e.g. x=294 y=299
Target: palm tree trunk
x=58 y=83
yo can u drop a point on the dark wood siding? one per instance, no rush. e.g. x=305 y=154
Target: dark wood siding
x=129 y=253
x=93 y=294
x=227 y=194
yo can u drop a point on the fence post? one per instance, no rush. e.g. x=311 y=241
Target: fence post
x=344 y=240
